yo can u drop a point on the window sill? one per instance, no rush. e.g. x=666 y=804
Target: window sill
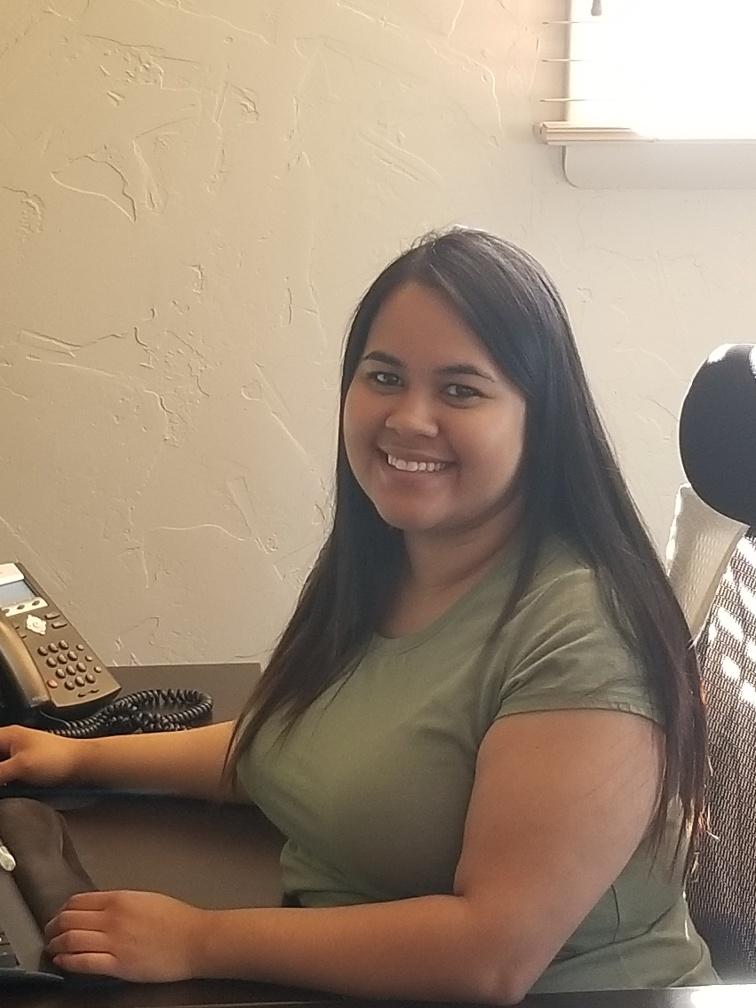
x=619 y=158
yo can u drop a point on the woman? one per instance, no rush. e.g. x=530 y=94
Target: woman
x=482 y=730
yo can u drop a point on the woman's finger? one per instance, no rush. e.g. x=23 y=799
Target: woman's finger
x=90 y=901
x=102 y=963
x=86 y=902
x=74 y=920
x=78 y=941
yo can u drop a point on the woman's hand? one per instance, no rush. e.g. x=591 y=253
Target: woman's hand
x=37 y=757
x=139 y=936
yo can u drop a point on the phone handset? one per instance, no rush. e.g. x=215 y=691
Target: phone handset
x=20 y=675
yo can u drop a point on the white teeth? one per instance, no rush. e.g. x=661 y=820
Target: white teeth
x=397 y=463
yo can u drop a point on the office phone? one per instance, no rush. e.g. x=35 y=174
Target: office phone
x=51 y=678
x=47 y=669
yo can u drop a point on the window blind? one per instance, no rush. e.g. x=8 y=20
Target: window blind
x=675 y=70
x=655 y=93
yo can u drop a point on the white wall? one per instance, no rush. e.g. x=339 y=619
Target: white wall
x=193 y=195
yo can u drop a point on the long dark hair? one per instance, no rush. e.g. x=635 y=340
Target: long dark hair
x=569 y=479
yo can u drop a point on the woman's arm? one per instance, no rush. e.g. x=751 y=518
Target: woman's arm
x=560 y=802
x=187 y=763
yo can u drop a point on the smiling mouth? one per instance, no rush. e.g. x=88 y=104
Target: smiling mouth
x=412 y=466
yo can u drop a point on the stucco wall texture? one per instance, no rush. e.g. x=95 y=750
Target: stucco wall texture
x=194 y=194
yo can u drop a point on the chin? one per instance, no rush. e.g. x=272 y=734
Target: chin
x=408 y=522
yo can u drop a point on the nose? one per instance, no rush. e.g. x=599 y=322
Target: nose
x=411 y=415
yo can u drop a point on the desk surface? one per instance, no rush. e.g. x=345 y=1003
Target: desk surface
x=242 y=848
x=231 y=994
x=236 y=841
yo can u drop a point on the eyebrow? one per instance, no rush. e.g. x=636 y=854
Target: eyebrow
x=448 y=369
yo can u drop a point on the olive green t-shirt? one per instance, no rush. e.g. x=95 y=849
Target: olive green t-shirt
x=372 y=785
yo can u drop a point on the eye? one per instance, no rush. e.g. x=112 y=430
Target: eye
x=384 y=379
x=457 y=391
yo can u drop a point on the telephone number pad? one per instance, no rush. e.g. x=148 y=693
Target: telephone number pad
x=67 y=665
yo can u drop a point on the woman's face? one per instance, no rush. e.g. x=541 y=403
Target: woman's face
x=433 y=431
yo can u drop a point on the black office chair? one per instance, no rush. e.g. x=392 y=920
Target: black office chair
x=723 y=895
x=718 y=450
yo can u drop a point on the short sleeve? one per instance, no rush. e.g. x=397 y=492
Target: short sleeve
x=566 y=654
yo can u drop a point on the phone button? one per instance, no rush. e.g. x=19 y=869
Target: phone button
x=51 y=662
x=61 y=673
x=69 y=684
x=53 y=648
x=53 y=683
x=42 y=650
x=58 y=624
x=62 y=659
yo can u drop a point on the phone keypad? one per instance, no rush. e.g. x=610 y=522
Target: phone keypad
x=73 y=667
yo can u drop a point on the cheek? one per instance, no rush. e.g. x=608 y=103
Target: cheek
x=518 y=435
x=501 y=447
x=516 y=429
x=357 y=424
x=363 y=412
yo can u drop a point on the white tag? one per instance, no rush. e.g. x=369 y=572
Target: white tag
x=36 y=625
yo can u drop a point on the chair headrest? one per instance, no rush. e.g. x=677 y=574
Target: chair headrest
x=718 y=432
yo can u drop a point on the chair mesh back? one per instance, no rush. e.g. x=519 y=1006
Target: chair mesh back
x=722 y=895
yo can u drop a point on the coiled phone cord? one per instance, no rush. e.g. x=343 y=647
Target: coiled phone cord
x=153 y=710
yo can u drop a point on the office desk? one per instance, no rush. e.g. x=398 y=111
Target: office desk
x=216 y=856
x=231 y=994
x=227 y=856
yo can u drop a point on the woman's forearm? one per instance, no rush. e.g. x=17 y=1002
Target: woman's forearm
x=428 y=948
x=187 y=763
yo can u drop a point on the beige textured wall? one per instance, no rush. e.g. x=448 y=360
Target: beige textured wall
x=193 y=194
